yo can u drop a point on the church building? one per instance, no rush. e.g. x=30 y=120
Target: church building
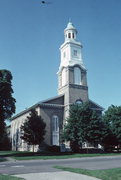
x=72 y=88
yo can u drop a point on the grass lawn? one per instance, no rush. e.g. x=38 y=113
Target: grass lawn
x=10 y=153
x=48 y=155
x=2 y=160
x=7 y=177
x=108 y=174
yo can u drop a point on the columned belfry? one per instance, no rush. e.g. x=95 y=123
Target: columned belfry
x=72 y=74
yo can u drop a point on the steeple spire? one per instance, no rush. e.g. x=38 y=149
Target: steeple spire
x=70 y=20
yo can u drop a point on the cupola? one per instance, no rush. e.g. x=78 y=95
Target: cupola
x=70 y=32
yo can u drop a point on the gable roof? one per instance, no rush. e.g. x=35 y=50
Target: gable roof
x=55 y=100
x=51 y=103
x=95 y=106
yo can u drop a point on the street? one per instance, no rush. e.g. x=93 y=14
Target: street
x=37 y=166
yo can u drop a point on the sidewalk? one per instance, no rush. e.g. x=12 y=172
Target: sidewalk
x=63 y=175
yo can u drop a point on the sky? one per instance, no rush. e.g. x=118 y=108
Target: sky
x=31 y=34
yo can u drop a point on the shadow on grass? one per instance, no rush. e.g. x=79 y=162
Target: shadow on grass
x=49 y=155
x=24 y=154
x=52 y=151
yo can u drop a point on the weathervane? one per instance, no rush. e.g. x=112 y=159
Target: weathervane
x=45 y=2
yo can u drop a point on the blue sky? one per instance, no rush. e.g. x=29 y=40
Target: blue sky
x=31 y=34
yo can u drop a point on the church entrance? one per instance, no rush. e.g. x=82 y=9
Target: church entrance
x=55 y=130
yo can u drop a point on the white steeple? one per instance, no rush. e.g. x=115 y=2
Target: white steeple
x=71 y=49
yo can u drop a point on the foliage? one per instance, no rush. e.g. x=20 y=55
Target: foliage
x=83 y=125
x=53 y=148
x=7 y=102
x=93 y=132
x=33 y=129
x=2 y=130
x=5 y=143
x=108 y=140
x=112 y=120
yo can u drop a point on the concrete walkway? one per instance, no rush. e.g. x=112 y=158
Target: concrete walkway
x=63 y=175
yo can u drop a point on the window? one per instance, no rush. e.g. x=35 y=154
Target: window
x=79 y=102
x=64 y=54
x=63 y=77
x=55 y=124
x=73 y=35
x=75 y=52
x=69 y=35
x=77 y=75
x=55 y=130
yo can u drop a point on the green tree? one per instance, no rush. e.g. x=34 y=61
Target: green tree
x=2 y=133
x=93 y=132
x=33 y=129
x=83 y=125
x=108 y=140
x=112 y=119
x=7 y=102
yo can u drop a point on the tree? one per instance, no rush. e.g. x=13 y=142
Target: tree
x=33 y=129
x=5 y=143
x=108 y=140
x=112 y=119
x=7 y=102
x=83 y=125
x=2 y=133
x=93 y=133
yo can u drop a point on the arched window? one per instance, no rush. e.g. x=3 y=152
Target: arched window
x=77 y=75
x=69 y=35
x=63 y=77
x=55 y=123
x=79 y=102
x=55 y=130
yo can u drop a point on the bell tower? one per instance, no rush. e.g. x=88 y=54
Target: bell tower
x=72 y=74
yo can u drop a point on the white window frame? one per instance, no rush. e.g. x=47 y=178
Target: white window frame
x=75 y=52
x=63 y=77
x=55 y=130
x=77 y=75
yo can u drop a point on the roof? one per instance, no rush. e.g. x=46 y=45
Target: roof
x=53 y=99
x=95 y=106
x=70 y=26
x=46 y=103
